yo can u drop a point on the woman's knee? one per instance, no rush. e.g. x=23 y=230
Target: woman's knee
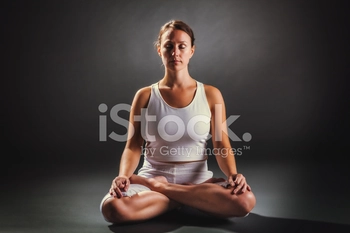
x=115 y=211
x=246 y=203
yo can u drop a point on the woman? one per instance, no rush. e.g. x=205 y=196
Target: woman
x=174 y=117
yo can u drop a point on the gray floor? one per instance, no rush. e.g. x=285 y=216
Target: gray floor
x=68 y=201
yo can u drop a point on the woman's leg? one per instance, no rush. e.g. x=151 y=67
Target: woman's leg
x=141 y=206
x=208 y=197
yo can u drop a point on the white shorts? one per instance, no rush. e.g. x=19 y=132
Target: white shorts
x=177 y=173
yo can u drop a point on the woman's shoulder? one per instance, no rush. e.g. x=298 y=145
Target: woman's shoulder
x=212 y=91
x=144 y=90
x=213 y=95
x=142 y=96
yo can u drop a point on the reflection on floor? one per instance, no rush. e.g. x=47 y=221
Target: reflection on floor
x=57 y=201
x=190 y=220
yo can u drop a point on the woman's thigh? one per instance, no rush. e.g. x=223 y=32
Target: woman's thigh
x=141 y=206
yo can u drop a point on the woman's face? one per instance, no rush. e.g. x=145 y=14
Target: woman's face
x=175 y=49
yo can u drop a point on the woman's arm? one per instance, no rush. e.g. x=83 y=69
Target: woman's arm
x=132 y=152
x=221 y=142
x=220 y=139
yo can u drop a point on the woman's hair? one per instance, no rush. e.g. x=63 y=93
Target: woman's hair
x=174 y=24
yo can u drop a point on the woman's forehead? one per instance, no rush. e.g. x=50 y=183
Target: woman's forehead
x=176 y=35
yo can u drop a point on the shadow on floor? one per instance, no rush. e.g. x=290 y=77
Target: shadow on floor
x=190 y=220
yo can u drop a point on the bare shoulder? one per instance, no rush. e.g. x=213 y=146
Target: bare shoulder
x=144 y=92
x=213 y=94
x=142 y=97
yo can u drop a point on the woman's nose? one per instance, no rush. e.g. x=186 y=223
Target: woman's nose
x=175 y=52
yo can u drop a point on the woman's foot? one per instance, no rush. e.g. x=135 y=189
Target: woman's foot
x=152 y=183
x=214 y=180
x=211 y=180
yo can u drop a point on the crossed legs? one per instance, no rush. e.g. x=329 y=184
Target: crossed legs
x=208 y=197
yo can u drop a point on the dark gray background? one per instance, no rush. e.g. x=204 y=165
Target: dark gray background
x=281 y=65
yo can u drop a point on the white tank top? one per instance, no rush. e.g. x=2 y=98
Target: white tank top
x=176 y=134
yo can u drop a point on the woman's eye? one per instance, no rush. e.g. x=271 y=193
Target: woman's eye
x=182 y=46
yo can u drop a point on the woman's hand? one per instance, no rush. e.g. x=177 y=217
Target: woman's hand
x=119 y=184
x=238 y=183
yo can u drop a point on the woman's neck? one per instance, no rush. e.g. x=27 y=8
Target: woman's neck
x=177 y=79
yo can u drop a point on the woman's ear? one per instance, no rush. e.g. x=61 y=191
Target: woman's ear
x=158 y=51
x=192 y=50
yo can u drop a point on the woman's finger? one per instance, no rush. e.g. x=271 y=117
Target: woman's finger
x=231 y=181
x=118 y=193
x=238 y=180
x=126 y=185
x=244 y=187
x=112 y=192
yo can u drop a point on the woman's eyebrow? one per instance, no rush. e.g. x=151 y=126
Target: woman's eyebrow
x=183 y=41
